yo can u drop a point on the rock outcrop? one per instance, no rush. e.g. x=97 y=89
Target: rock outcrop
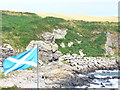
x=53 y=75
x=5 y=51
x=56 y=34
x=48 y=52
x=108 y=49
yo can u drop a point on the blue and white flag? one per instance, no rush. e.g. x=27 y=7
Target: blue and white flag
x=22 y=61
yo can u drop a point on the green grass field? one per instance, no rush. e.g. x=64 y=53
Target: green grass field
x=19 y=28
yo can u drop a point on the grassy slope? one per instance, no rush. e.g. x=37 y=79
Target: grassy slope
x=19 y=28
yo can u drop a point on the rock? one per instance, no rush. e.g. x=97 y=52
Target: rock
x=47 y=51
x=74 y=55
x=48 y=37
x=43 y=46
x=79 y=34
x=45 y=56
x=79 y=42
x=70 y=44
x=59 y=33
x=62 y=45
x=54 y=46
x=78 y=81
x=57 y=70
x=56 y=55
x=107 y=47
x=81 y=53
x=5 y=51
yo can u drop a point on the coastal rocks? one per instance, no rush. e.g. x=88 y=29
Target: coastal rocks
x=20 y=79
x=52 y=75
x=57 y=70
x=48 y=52
x=5 y=51
x=62 y=75
x=88 y=64
x=48 y=49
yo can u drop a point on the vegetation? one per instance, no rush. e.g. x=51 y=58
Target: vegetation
x=64 y=62
x=8 y=88
x=19 y=28
x=2 y=75
x=91 y=34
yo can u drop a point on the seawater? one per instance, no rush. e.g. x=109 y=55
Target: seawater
x=103 y=79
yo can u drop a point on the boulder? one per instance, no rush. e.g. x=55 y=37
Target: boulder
x=56 y=55
x=62 y=45
x=45 y=56
x=43 y=45
x=59 y=33
x=48 y=37
x=5 y=51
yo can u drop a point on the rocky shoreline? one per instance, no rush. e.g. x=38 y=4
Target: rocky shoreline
x=59 y=75
x=55 y=69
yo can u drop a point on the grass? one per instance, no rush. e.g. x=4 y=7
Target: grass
x=19 y=28
x=8 y=88
x=2 y=76
x=64 y=62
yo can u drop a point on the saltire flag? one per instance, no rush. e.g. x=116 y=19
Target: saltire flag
x=22 y=61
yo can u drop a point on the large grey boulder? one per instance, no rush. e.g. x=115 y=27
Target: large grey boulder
x=48 y=52
x=50 y=37
x=43 y=45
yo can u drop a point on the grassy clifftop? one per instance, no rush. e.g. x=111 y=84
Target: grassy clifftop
x=19 y=28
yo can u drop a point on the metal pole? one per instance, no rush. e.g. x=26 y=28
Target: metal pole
x=37 y=67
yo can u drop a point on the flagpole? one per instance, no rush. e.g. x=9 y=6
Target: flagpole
x=37 y=67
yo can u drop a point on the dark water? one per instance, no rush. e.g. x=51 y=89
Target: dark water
x=103 y=79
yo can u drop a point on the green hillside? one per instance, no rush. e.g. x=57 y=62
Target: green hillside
x=19 y=28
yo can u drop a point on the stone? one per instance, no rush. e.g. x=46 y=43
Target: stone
x=81 y=53
x=74 y=55
x=48 y=37
x=43 y=45
x=62 y=45
x=54 y=46
x=5 y=51
x=107 y=47
x=79 y=42
x=70 y=44
x=59 y=33
x=45 y=56
x=56 y=55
